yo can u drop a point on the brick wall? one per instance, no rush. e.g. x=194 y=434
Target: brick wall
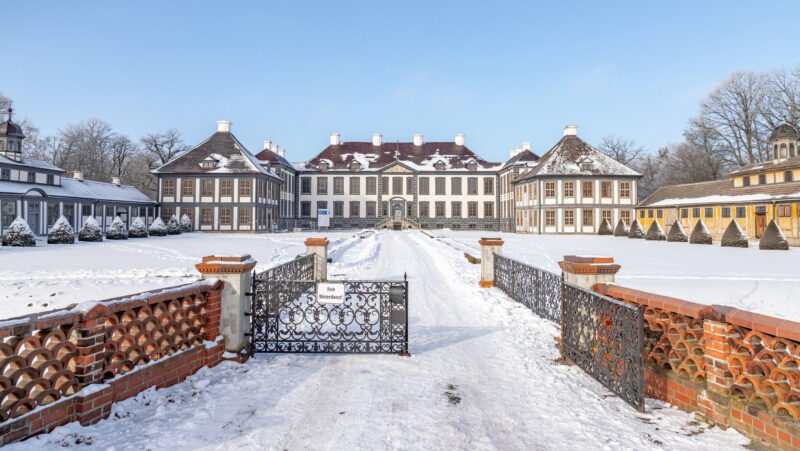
x=732 y=367
x=72 y=364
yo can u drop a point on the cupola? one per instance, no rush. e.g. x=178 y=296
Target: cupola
x=11 y=137
x=784 y=141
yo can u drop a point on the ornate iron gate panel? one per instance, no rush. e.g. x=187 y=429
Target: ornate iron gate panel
x=286 y=316
x=538 y=289
x=605 y=337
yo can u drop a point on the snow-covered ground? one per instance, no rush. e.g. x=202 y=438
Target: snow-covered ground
x=53 y=276
x=766 y=282
x=482 y=376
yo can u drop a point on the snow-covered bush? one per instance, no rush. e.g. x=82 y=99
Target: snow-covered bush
x=186 y=224
x=19 y=234
x=734 y=236
x=621 y=229
x=173 y=226
x=138 y=229
x=636 y=230
x=700 y=234
x=605 y=228
x=117 y=231
x=772 y=239
x=676 y=233
x=655 y=232
x=158 y=228
x=90 y=231
x=61 y=233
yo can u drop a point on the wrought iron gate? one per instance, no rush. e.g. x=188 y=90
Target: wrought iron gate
x=287 y=316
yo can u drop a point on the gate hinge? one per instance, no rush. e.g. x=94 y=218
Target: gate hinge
x=248 y=313
x=248 y=294
x=248 y=334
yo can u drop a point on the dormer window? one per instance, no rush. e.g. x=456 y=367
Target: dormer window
x=323 y=166
x=439 y=165
x=355 y=166
x=586 y=165
x=472 y=166
x=209 y=163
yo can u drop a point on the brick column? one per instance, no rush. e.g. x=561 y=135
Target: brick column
x=714 y=402
x=489 y=247
x=90 y=346
x=236 y=273
x=585 y=272
x=319 y=248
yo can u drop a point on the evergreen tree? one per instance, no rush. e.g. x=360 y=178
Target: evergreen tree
x=90 y=231
x=117 y=231
x=19 y=234
x=61 y=233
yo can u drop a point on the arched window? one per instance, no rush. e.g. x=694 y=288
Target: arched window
x=775 y=151
x=2 y=146
x=791 y=149
x=784 y=152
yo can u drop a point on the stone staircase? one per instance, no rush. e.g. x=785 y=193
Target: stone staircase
x=398 y=224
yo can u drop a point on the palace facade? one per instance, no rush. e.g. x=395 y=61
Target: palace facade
x=573 y=188
x=752 y=196
x=40 y=192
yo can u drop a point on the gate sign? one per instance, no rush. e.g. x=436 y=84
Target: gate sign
x=330 y=292
x=323 y=217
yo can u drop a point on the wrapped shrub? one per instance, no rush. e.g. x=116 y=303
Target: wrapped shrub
x=90 y=231
x=605 y=228
x=61 y=233
x=186 y=224
x=676 y=233
x=621 y=229
x=772 y=239
x=700 y=234
x=158 y=228
x=117 y=231
x=734 y=236
x=138 y=229
x=173 y=226
x=19 y=234
x=636 y=230
x=655 y=232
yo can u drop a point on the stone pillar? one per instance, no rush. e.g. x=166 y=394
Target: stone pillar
x=237 y=275
x=714 y=403
x=587 y=271
x=319 y=248
x=489 y=247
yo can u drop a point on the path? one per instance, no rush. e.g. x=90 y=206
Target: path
x=482 y=376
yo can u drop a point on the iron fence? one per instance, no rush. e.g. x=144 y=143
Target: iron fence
x=301 y=268
x=605 y=337
x=538 y=289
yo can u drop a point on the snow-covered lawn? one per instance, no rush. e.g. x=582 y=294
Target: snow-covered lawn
x=53 y=276
x=482 y=376
x=766 y=282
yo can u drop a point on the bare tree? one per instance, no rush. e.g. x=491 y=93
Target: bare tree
x=86 y=147
x=163 y=147
x=622 y=150
x=121 y=151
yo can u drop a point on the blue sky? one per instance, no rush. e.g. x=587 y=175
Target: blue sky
x=293 y=72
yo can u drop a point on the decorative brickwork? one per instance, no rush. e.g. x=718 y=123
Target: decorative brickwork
x=733 y=367
x=52 y=364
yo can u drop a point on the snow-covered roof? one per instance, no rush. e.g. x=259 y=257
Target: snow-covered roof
x=29 y=162
x=229 y=154
x=574 y=156
x=420 y=158
x=82 y=189
x=720 y=192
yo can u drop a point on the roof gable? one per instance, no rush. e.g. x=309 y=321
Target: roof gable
x=566 y=156
x=230 y=155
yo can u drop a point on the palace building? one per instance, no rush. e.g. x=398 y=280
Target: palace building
x=573 y=188
x=221 y=186
x=40 y=192
x=752 y=195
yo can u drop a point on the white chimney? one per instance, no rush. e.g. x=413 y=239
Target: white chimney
x=459 y=139
x=274 y=148
x=77 y=175
x=115 y=180
x=224 y=126
x=376 y=139
x=417 y=139
x=570 y=130
x=526 y=145
x=267 y=145
x=281 y=152
x=335 y=139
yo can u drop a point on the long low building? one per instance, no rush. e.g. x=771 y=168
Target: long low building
x=40 y=192
x=752 y=196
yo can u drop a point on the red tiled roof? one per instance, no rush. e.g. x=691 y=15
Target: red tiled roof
x=376 y=157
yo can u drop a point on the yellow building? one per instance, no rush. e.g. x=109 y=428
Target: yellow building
x=753 y=195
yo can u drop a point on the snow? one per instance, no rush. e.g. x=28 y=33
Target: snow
x=723 y=199
x=746 y=278
x=82 y=189
x=54 y=276
x=19 y=234
x=482 y=376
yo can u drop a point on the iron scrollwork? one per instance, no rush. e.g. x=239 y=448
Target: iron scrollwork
x=538 y=289
x=605 y=337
